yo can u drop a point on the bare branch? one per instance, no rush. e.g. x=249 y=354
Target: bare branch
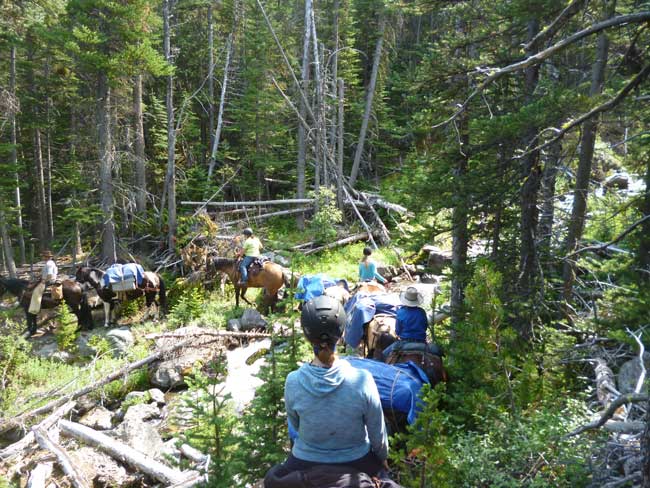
x=546 y=53
x=548 y=33
x=602 y=247
x=609 y=413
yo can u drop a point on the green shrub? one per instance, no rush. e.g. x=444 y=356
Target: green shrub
x=187 y=308
x=326 y=217
x=14 y=351
x=67 y=332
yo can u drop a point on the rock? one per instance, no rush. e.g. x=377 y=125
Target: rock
x=628 y=374
x=98 y=418
x=135 y=396
x=278 y=258
x=428 y=290
x=120 y=340
x=170 y=451
x=437 y=259
x=99 y=468
x=157 y=396
x=140 y=435
x=388 y=272
x=252 y=319
x=233 y=325
x=142 y=412
x=62 y=357
x=46 y=349
x=430 y=278
x=618 y=181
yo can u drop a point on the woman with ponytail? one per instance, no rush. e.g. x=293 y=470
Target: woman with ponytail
x=334 y=407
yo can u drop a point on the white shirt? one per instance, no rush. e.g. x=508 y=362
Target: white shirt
x=50 y=271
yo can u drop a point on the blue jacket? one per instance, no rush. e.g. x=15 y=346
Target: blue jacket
x=368 y=271
x=411 y=323
x=337 y=413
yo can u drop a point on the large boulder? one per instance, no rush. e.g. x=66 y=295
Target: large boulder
x=233 y=325
x=138 y=433
x=120 y=340
x=629 y=373
x=99 y=418
x=252 y=319
x=617 y=181
x=437 y=258
x=99 y=468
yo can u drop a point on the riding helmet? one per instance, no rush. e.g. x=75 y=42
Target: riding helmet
x=247 y=232
x=323 y=320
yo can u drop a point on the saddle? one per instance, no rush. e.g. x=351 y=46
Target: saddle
x=257 y=265
x=426 y=356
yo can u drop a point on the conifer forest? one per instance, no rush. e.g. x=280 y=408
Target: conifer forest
x=495 y=156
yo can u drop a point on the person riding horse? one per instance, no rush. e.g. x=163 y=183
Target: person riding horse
x=249 y=251
x=48 y=277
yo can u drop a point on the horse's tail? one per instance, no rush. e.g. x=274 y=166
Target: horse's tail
x=85 y=312
x=163 y=295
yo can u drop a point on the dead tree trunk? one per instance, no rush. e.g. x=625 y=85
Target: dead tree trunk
x=644 y=245
x=222 y=101
x=6 y=244
x=105 y=167
x=354 y=173
x=47 y=173
x=587 y=142
x=340 y=180
x=14 y=150
x=302 y=133
x=210 y=77
x=551 y=157
x=171 y=132
x=139 y=146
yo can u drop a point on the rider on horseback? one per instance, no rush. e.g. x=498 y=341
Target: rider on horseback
x=249 y=250
x=48 y=277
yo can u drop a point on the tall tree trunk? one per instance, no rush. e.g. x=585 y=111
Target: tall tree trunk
x=354 y=173
x=222 y=103
x=587 y=143
x=334 y=74
x=171 y=132
x=210 y=77
x=551 y=158
x=644 y=245
x=139 y=146
x=105 y=167
x=302 y=134
x=339 y=144
x=14 y=152
x=532 y=174
x=48 y=168
x=6 y=244
x=459 y=223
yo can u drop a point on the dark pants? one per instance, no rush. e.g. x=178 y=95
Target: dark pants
x=369 y=464
x=243 y=267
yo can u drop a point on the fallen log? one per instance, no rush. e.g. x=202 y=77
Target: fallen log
x=214 y=333
x=385 y=236
x=62 y=457
x=609 y=412
x=341 y=242
x=268 y=215
x=288 y=201
x=377 y=200
x=125 y=453
x=19 y=420
x=29 y=438
x=39 y=475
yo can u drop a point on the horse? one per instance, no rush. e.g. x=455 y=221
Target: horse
x=152 y=285
x=74 y=295
x=271 y=277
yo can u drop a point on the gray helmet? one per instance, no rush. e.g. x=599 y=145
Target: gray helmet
x=247 y=232
x=323 y=320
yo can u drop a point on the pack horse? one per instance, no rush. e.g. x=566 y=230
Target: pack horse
x=123 y=283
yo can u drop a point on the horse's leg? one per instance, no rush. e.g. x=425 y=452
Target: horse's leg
x=30 y=319
x=108 y=306
x=237 y=292
x=242 y=293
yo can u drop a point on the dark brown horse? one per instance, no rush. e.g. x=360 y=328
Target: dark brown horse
x=152 y=285
x=74 y=295
x=271 y=277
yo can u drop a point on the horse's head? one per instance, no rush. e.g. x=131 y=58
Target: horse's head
x=224 y=265
x=85 y=274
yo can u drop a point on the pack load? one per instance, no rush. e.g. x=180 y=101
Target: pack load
x=123 y=277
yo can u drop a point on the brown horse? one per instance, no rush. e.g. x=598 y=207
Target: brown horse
x=271 y=277
x=74 y=295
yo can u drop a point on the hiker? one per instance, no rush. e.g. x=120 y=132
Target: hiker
x=334 y=408
x=368 y=268
x=249 y=250
x=48 y=277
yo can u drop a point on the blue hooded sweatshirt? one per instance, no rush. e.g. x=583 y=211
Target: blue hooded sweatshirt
x=337 y=413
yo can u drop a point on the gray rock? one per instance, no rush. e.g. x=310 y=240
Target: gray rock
x=252 y=319
x=629 y=373
x=437 y=258
x=278 y=258
x=142 y=412
x=140 y=435
x=99 y=468
x=387 y=271
x=167 y=375
x=98 y=418
x=619 y=181
x=134 y=395
x=233 y=325
x=62 y=357
x=120 y=340
x=430 y=278
x=157 y=396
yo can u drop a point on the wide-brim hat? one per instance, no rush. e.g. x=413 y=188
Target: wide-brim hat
x=411 y=297
x=46 y=253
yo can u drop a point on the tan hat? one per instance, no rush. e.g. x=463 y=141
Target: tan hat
x=46 y=253
x=411 y=297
